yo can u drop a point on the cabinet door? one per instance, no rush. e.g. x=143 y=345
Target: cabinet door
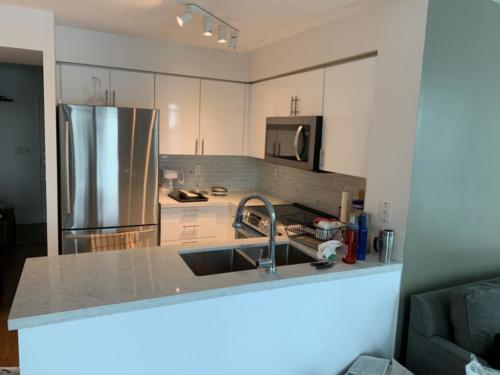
x=77 y=85
x=222 y=116
x=178 y=100
x=308 y=87
x=347 y=117
x=261 y=106
x=132 y=89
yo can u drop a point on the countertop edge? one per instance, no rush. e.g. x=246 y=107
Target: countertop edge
x=131 y=306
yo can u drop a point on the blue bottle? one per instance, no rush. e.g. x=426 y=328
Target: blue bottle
x=362 y=236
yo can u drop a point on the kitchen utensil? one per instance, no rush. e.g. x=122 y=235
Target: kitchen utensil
x=384 y=244
x=219 y=191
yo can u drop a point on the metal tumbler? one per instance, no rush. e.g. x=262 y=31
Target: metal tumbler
x=384 y=244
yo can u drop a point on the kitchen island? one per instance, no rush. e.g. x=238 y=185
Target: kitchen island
x=145 y=311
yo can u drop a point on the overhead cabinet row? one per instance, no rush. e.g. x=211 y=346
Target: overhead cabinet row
x=208 y=117
x=197 y=116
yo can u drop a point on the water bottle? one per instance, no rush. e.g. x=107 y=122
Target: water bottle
x=351 y=241
x=362 y=236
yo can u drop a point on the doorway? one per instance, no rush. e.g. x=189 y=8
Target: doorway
x=22 y=178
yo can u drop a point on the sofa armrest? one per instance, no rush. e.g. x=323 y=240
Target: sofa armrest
x=435 y=355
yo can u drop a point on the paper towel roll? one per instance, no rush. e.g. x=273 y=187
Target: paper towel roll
x=345 y=207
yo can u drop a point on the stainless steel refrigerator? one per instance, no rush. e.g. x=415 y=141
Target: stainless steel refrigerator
x=108 y=178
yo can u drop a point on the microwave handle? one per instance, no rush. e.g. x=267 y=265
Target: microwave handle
x=296 y=143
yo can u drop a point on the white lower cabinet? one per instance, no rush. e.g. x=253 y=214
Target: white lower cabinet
x=347 y=116
x=182 y=226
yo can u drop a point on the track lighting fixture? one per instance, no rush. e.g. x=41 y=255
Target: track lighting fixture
x=208 y=26
x=234 y=41
x=208 y=21
x=222 y=34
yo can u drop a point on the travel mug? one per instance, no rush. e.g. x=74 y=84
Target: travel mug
x=384 y=244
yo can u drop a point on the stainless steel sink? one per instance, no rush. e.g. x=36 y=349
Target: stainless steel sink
x=213 y=262
x=285 y=254
x=216 y=261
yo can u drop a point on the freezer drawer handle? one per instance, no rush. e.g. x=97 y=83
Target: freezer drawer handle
x=66 y=165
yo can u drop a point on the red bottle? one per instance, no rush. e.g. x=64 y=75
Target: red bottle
x=351 y=241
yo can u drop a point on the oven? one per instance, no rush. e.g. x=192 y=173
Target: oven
x=294 y=141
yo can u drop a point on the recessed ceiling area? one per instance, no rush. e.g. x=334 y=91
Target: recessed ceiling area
x=20 y=56
x=261 y=23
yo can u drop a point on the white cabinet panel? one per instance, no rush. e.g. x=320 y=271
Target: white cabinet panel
x=178 y=100
x=308 y=87
x=222 y=115
x=132 y=89
x=261 y=106
x=77 y=83
x=347 y=117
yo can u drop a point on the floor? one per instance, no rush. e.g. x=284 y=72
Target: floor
x=30 y=242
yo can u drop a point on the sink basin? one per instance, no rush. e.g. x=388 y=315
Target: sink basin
x=285 y=254
x=216 y=261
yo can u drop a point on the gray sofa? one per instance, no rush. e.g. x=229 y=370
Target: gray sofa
x=447 y=325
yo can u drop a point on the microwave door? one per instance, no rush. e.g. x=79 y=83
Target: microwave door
x=271 y=144
x=291 y=141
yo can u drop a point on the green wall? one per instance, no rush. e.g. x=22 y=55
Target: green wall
x=453 y=231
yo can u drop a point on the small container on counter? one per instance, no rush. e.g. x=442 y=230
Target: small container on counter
x=362 y=236
x=351 y=241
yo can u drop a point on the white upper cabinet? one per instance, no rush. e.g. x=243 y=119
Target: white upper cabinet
x=77 y=83
x=178 y=100
x=261 y=106
x=347 y=115
x=132 y=89
x=222 y=114
x=307 y=87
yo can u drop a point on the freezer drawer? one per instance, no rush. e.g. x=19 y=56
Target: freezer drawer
x=93 y=240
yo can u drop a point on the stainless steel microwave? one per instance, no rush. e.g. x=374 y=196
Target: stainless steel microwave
x=294 y=141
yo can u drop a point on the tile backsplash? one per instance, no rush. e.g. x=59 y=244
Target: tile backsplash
x=238 y=173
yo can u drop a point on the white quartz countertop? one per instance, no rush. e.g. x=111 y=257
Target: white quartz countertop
x=232 y=197
x=72 y=287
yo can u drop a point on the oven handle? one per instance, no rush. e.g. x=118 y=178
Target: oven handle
x=67 y=167
x=297 y=135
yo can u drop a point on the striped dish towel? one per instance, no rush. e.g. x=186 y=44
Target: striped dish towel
x=114 y=241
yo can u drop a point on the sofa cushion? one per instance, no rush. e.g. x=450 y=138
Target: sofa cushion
x=475 y=316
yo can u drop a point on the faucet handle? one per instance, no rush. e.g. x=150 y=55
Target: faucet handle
x=264 y=263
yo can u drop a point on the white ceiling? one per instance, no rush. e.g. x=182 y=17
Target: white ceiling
x=20 y=56
x=261 y=22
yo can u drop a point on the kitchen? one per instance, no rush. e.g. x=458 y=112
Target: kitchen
x=222 y=143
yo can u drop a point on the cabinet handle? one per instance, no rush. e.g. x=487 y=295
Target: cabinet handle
x=296 y=111
x=191 y=226
x=196 y=147
x=188 y=242
x=203 y=147
x=106 y=96
x=291 y=105
x=114 y=98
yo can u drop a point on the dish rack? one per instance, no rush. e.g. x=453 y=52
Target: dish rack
x=301 y=228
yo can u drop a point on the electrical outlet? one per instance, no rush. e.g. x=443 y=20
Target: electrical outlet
x=385 y=211
x=197 y=170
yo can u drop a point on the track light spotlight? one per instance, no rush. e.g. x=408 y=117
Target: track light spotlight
x=222 y=34
x=187 y=16
x=234 y=41
x=208 y=26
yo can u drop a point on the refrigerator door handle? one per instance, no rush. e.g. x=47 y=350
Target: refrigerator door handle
x=66 y=166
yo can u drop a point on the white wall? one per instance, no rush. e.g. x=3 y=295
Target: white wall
x=97 y=48
x=397 y=30
x=20 y=132
x=34 y=30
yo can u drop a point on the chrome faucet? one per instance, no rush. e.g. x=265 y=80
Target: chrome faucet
x=269 y=263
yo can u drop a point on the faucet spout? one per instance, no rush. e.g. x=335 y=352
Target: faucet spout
x=270 y=263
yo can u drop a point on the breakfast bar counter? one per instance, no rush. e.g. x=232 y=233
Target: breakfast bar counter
x=76 y=311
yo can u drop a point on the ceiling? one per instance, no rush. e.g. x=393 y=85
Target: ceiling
x=20 y=56
x=261 y=22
